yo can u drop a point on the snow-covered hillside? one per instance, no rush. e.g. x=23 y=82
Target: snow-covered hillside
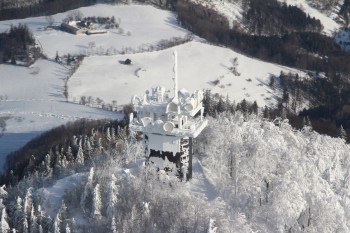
x=328 y=21
x=201 y=66
x=32 y=100
x=233 y=11
x=142 y=26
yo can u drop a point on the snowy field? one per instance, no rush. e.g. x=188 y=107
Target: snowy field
x=33 y=103
x=200 y=66
x=146 y=24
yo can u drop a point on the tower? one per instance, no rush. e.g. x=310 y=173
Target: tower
x=169 y=126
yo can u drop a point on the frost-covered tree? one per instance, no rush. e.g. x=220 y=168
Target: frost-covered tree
x=96 y=203
x=113 y=225
x=48 y=169
x=69 y=153
x=25 y=226
x=108 y=135
x=112 y=197
x=212 y=228
x=86 y=195
x=113 y=134
x=33 y=221
x=17 y=214
x=57 y=223
x=4 y=226
x=87 y=147
x=3 y=192
x=80 y=155
x=68 y=230
x=28 y=202
x=342 y=133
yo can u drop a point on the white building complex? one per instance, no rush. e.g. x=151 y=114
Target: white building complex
x=169 y=126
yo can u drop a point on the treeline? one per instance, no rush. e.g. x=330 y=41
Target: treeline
x=18 y=45
x=215 y=104
x=70 y=144
x=300 y=49
x=328 y=98
x=46 y=7
x=345 y=11
x=269 y=17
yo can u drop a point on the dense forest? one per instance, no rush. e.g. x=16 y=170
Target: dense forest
x=269 y=17
x=17 y=9
x=18 y=44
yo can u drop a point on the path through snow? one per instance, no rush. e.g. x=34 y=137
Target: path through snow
x=200 y=185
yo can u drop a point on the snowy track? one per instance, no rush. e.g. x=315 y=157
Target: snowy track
x=200 y=185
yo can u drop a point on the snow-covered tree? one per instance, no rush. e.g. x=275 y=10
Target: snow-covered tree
x=112 y=197
x=108 y=135
x=97 y=203
x=17 y=214
x=4 y=226
x=28 y=202
x=342 y=133
x=3 y=192
x=48 y=169
x=33 y=221
x=113 y=225
x=85 y=198
x=80 y=155
x=113 y=134
x=25 y=226
x=57 y=223
x=87 y=146
x=212 y=228
x=68 y=230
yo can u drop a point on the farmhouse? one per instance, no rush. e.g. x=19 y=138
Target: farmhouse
x=71 y=28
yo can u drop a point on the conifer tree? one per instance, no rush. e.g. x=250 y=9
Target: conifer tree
x=28 y=201
x=113 y=134
x=33 y=221
x=108 y=135
x=4 y=226
x=85 y=198
x=80 y=155
x=342 y=133
x=57 y=223
x=69 y=154
x=48 y=169
x=112 y=197
x=113 y=225
x=97 y=203
x=68 y=230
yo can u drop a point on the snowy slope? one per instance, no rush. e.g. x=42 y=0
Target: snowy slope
x=34 y=100
x=328 y=22
x=146 y=24
x=199 y=65
x=33 y=103
x=232 y=10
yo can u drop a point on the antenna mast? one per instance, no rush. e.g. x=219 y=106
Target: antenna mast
x=175 y=76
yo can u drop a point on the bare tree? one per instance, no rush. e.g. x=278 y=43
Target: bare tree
x=50 y=20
